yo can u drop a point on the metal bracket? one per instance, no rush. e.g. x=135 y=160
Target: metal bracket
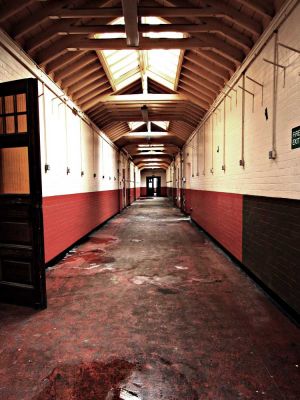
x=284 y=67
x=259 y=84
x=252 y=94
x=231 y=88
x=288 y=47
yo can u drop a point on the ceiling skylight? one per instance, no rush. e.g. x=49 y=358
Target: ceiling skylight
x=124 y=66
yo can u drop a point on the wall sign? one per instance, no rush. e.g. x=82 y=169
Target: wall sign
x=296 y=137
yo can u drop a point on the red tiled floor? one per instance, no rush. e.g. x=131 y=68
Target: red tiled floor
x=149 y=309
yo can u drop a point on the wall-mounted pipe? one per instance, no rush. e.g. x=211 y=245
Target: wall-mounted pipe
x=80 y=144
x=198 y=153
x=47 y=166
x=279 y=18
x=204 y=149
x=212 y=144
x=224 y=135
x=272 y=153
x=242 y=159
x=260 y=85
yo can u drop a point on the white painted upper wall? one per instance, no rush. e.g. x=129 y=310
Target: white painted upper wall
x=153 y=172
x=66 y=140
x=209 y=150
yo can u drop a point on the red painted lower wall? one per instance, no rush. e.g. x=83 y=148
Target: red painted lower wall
x=143 y=191
x=138 y=192
x=221 y=215
x=68 y=218
x=163 y=191
x=131 y=193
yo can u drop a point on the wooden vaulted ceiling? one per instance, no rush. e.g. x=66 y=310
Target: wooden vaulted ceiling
x=218 y=34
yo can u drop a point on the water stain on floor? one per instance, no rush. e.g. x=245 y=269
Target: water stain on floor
x=86 y=381
x=117 y=380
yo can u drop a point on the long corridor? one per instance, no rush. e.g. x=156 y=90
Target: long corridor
x=148 y=308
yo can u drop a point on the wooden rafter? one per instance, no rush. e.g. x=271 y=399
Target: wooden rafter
x=130 y=12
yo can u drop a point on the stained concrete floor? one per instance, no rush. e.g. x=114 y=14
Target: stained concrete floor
x=148 y=308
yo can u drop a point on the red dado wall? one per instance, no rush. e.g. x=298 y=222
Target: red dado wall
x=138 y=192
x=68 y=218
x=163 y=191
x=221 y=215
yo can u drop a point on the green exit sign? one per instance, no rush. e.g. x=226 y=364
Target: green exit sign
x=296 y=137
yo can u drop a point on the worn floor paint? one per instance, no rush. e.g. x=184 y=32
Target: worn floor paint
x=149 y=309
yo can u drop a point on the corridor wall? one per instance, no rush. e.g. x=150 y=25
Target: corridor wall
x=242 y=183
x=154 y=172
x=81 y=184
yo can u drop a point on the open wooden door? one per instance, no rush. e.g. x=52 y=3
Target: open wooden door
x=22 y=271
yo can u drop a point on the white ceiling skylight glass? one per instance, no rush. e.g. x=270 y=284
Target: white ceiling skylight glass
x=162 y=124
x=162 y=64
x=124 y=66
x=135 y=125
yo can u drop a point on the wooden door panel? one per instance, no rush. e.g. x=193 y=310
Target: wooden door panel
x=22 y=271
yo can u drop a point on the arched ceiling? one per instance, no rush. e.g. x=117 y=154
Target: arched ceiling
x=64 y=38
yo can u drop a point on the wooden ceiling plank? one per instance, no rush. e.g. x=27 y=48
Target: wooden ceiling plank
x=12 y=8
x=193 y=85
x=208 y=65
x=75 y=67
x=263 y=8
x=76 y=87
x=217 y=59
x=73 y=78
x=190 y=87
x=26 y=25
x=193 y=77
x=64 y=60
x=46 y=35
x=91 y=93
x=88 y=89
x=206 y=80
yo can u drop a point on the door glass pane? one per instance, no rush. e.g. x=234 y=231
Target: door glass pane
x=9 y=104
x=21 y=102
x=22 y=123
x=13 y=114
x=10 y=124
x=14 y=171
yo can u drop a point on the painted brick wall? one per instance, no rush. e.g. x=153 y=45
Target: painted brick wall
x=220 y=214
x=271 y=238
x=67 y=218
x=163 y=191
x=261 y=176
x=143 y=191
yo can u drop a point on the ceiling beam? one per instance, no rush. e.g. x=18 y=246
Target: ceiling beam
x=76 y=66
x=131 y=22
x=142 y=98
x=150 y=43
x=208 y=25
x=218 y=10
x=263 y=8
x=63 y=61
x=208 y=65
x=13 y=8
x=39 y=16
